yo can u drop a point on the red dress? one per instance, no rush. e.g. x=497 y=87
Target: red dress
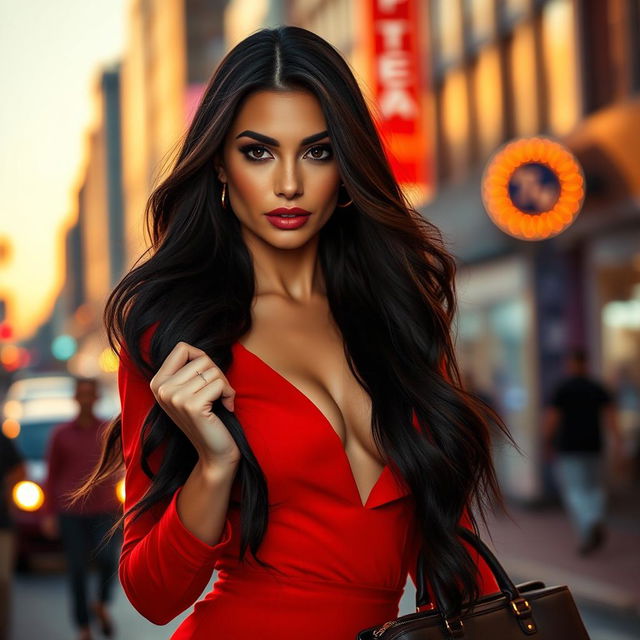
x=342 y=564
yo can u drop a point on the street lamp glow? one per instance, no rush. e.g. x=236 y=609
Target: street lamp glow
x=28 y=495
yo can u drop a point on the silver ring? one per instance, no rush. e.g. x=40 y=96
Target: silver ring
x=201 y=376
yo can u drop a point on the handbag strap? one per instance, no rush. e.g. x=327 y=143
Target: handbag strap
x=519 y=605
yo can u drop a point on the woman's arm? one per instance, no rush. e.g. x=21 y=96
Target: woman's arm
x=169 y=552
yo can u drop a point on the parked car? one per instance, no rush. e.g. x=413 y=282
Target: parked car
x=32 y=409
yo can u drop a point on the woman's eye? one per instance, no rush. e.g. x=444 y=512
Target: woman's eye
x=251 y=149
x=255 y=152
x=321 y=148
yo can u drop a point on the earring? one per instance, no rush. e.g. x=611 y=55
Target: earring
x=224 y=191
x=346 y=204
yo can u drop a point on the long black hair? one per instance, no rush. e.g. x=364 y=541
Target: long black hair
x=390 y=287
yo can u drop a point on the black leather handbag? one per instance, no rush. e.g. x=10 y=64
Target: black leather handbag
x=514 y=612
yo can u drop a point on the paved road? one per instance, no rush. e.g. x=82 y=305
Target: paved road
x=41 y=610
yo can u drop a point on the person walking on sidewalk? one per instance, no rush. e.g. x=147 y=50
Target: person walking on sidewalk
x=573 y=440
x=73 y=450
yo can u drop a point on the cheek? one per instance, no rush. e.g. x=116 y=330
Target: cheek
x=249 y=183
x=327 y=186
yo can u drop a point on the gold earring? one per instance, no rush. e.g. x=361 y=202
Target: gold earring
x=346 y=204
x=224 y=191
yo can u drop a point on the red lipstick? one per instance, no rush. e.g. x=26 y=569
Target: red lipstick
x=288 y=217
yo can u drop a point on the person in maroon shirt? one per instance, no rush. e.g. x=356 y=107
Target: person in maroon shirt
x=73 y=450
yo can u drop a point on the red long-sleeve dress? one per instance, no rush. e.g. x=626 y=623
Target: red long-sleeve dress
x=343 y=565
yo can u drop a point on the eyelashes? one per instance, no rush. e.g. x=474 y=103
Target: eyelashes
x=249 y=148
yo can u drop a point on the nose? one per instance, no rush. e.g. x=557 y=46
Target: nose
x=288 y=180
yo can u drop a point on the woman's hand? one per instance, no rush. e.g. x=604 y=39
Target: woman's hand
x=187 y=399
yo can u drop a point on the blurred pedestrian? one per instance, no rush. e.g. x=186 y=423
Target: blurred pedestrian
x=73 y=450
x=12 y=471
x=579 y=410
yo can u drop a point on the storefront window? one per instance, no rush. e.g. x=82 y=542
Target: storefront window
x=455 y=123
x=561 y=65
x=522 y=71
x=487 y=88
x=513 y=10
x=447 y=37
x=494 y=334
x=616 y=263
x=481 y=15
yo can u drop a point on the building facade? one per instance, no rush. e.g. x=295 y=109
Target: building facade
x=567 y=70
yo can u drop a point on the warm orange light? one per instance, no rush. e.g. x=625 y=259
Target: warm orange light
x=10 y=356
x=11 y=428
x=120 y=490
x=501 y=208
x=28 y=495
x=108 y=360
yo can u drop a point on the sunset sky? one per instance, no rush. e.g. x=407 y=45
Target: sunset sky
x=50 y=55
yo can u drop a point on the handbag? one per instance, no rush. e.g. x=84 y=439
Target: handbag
x=514 y=612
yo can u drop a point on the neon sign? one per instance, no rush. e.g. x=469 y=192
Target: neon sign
x=533 y=188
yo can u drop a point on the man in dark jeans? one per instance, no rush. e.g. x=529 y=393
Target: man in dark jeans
x=573 y=431
x=73 y=451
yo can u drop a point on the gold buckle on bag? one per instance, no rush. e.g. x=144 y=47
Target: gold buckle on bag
x=456 y=629
x=520 y=602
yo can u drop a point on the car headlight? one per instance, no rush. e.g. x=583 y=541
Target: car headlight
x=27 y=495
x=120 y=490
x=11 y=428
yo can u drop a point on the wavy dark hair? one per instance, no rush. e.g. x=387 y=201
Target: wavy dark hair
x=390 y=287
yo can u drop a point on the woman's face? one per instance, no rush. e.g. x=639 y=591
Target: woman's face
x=294 y=167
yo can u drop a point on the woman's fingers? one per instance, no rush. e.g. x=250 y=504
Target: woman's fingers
x=200 y=387
x=186 y=385
x=185 y=362
x=177 y=378
x=180 y=355
x=203 y=382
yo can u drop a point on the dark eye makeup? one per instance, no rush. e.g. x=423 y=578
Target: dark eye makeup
x=249 y=148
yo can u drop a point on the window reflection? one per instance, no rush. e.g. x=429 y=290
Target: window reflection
x=481 y=19
x=455 y=122
x=558 y=41
x=515 y=9
x=488 y=100
x=447 y=30
x=522 y=72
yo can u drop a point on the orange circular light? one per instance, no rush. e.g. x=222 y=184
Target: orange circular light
x=28 y=495
x=558 y=202
x=11 y=428
x=120 y=490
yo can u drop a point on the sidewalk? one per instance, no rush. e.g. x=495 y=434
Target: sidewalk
x=541 y=545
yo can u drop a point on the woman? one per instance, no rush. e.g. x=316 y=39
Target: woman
x=287 y=373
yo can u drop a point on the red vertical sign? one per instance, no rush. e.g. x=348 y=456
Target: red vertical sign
x=396 y=53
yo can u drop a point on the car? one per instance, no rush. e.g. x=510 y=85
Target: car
x=32 y=409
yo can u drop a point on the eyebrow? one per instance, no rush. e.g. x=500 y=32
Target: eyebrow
x=273 y=142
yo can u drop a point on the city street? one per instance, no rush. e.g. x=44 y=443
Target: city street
x=41 y=610
x=349 y=215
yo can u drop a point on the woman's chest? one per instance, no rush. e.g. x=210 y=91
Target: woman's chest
x=296 y=446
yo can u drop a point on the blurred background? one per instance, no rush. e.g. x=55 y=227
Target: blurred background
x=96 y=95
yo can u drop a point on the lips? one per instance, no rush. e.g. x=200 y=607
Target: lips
x=288 y=218
x=288 y=212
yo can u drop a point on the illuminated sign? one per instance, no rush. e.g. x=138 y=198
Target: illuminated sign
x=395 y=64
x=533 y=188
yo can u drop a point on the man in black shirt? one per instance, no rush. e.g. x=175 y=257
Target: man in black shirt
x=12 y=471
x=572 y=429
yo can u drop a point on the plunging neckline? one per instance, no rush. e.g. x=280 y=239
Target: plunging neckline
x=326 y=422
